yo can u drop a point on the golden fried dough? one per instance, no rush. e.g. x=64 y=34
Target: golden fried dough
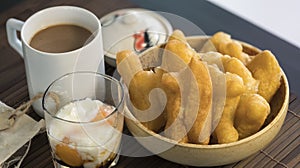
x=176 y=56
x=128 y=64
x=234 y=85
x=218 y=79
x=201 y=126
x=225 y=45
x=189 y=106
x=233 y=65
x=225 y=131
x=251 y=114
x=175 y=128
x=213 y=58
x=220 y=38
x=177 y=35
x=140 y=83
x=180 y=49
x=266 y=69
x=190 y=95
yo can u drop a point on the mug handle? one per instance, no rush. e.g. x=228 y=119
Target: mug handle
x=12 y=26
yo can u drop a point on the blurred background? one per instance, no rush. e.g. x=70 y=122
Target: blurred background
x=277 y=17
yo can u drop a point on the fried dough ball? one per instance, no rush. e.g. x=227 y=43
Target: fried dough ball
x=251 y=114
x=225 y=45
x=140 y=83
x=233 y=65
x=266 y=69
x=175 y=128
x=225 y=132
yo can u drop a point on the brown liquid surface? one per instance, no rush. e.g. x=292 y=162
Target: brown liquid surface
x=61 y=38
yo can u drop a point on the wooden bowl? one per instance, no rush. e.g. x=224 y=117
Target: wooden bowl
x=216 y=154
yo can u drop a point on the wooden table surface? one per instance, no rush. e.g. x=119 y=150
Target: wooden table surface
x=284 y=151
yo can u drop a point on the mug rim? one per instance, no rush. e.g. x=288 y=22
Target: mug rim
x=33 y=16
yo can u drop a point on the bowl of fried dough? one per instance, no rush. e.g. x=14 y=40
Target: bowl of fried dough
x=203 y=100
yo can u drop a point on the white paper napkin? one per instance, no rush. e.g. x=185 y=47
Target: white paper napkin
x=12 y=139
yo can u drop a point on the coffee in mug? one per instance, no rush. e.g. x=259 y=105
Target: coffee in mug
x=61 y=38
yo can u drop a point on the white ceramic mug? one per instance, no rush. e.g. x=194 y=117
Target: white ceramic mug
x=42 y=68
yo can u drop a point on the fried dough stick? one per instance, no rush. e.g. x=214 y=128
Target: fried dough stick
x=251 y=114
x=201 y=126
x=140 y=83
x=189 y=106
x=225 y=45
x=225 y=131
x=175 y=128
x=177 y=53
x=233 y=65
x=266 y=69
x=176 y=56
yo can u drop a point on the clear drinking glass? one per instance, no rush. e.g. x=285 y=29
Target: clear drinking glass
x=84 y=119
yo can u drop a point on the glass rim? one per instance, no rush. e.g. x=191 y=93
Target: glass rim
x=107 y=77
